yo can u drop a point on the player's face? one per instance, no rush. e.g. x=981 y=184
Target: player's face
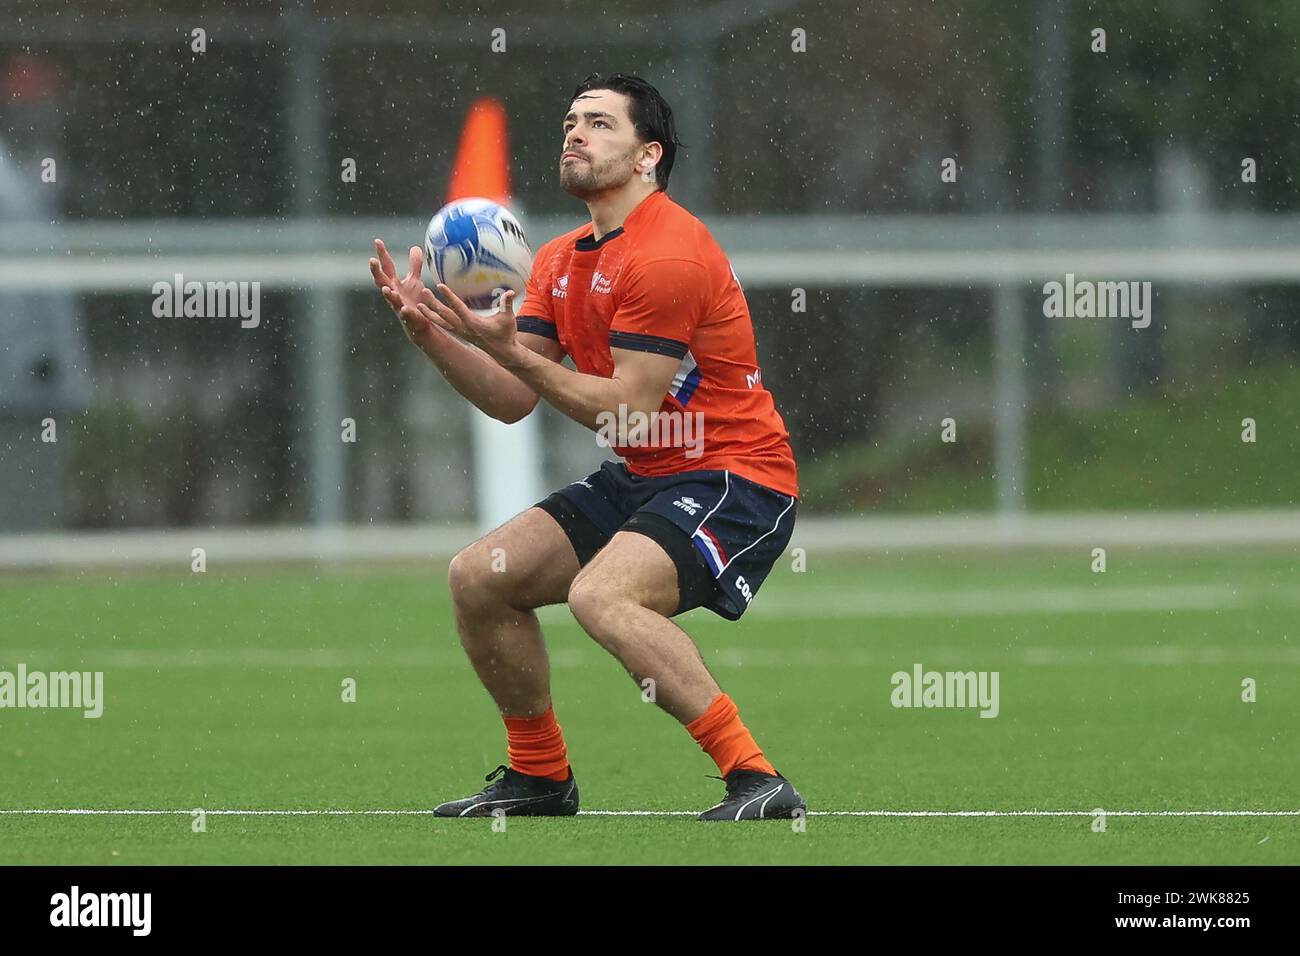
x=601 y=148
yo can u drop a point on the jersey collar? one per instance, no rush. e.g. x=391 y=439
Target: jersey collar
x=588 y=244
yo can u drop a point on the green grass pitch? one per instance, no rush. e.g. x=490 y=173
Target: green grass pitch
x=223 y=691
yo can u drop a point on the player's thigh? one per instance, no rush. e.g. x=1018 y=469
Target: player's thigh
x=631 y=567
x=526 y=563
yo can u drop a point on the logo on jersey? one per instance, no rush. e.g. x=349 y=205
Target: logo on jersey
x=563 y=291
x=601 y=283
x=688 y=504
x=755 y=379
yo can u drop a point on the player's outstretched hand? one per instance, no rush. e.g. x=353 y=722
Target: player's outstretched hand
x=406 y=294
x=495 y=333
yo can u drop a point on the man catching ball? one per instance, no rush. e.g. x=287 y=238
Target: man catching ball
x=646 y=304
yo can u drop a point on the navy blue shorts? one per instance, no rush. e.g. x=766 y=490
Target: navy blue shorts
x=722 y=532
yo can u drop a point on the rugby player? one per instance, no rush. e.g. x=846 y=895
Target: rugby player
x=647 y=306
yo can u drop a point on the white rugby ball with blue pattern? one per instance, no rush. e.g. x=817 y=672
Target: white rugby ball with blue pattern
x=479 y=249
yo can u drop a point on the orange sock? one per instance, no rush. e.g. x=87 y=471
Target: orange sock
x=723 y=736
x=535 y=746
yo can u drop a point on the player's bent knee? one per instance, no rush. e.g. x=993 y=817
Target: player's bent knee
x=598 y=603
x=587 y=601
x=469 y=577
x=480 y=583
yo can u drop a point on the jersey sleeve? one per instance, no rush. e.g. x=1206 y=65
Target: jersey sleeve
x=663 y=301
x=534 y=313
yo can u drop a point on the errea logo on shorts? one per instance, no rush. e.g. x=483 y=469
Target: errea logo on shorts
x=687 y=504
x=563 y=291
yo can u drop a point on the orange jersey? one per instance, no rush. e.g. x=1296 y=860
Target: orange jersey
x=660 y=283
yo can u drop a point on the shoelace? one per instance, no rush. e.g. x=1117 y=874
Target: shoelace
x=492 y=779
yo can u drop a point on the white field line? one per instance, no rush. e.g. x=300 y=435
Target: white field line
x=565 y=658
x=60 y=812
x=120 y=659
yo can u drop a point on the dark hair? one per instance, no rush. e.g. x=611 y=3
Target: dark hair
x=651 y=116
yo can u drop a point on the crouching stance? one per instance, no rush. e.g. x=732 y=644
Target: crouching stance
x=645 y=303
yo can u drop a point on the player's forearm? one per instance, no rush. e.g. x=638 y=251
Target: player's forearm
x=480 y=380
x=582 y=397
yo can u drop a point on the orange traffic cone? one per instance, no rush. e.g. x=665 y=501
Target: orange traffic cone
x=482 y=167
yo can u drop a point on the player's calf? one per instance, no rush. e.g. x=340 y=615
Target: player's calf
x=495 y=583
x=622 y=600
